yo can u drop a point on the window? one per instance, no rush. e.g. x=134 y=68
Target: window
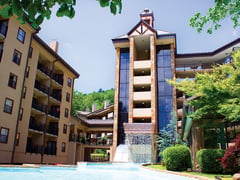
x=21 y=35
x=68 y=97
x=65 y=129
x=1 y=50
x=16 y=57
x=66 y=112
x=24 y=92
x=21 y=114
x=12 y=81
x=4 y=135
x=17 y=139
x=27 y=71
x=69 y=82
x=63 y=146
x=30 y=52
x=8 y=106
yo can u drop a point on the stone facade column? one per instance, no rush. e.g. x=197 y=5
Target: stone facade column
x=131 y=79
x=154 y=117
x=116 y=102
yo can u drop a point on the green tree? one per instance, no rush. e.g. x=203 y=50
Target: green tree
x=168 y=136
x=216 y=94
x=38 y=10
x=82 y=101
x=222 y=9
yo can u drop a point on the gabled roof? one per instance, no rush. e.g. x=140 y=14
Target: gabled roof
x=159 y=33
x=142 y=24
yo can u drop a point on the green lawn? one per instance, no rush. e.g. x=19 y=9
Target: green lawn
x=212 y=176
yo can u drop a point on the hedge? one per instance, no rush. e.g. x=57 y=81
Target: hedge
x=177 y=158
x=210 y=160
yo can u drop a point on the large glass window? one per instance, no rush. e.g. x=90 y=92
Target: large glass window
x=164 y=69
x=123 y=93
x=4 y=135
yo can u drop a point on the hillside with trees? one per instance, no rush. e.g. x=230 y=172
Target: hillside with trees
x=82 y=101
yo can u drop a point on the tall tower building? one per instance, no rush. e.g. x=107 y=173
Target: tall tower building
x=145 y=58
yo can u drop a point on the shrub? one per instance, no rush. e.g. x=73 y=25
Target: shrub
x=231 y=158
x=210 y=160
x=177 y=158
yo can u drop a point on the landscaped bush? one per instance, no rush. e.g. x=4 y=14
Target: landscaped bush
x=177 y=158
x=231 y=158
x=210 y=160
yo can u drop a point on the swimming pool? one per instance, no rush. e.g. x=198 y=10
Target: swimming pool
x=86 y=172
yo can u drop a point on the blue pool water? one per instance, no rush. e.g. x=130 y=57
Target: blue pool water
x=87 y=172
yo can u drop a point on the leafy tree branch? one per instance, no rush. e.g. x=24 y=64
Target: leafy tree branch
x=221 y=10
x=35 y=11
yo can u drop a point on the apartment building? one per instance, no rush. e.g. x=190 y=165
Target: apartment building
x=145 y=58
x=36 y=87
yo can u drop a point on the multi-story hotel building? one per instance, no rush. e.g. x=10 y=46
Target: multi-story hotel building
x=36 y=87
x=144 y=101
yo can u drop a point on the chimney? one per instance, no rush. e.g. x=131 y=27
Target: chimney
x=54 y=46
x=106 y=104
x=94 y=107
x=147 y=16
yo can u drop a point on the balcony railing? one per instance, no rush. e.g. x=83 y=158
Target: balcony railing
x=58 y=78
x=91 y=141
x=187 y=67
x=56 y=96
x=41 y=87
x=39 y=107
x=44 y=69
x=142 y=64
x=142 y=112
x=34 y=149
x=139 y=80
x=137 y=96
x=50 y=151
x=53 y=131
x=55 y=114
x=37 y=127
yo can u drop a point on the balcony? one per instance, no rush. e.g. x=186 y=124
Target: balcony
x=41 y=87
x=142 y=112
x=58 y=78
x=34 y=149
x=56 y=95
x=55 y=114
x=146 y=64
x=44 y=69
x=39 y=106
x=52 y=131
x=142 y=96
x=141 y=80
x=50 y=151
x=35 y=126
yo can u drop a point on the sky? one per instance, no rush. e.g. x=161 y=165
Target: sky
x=85 y=42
